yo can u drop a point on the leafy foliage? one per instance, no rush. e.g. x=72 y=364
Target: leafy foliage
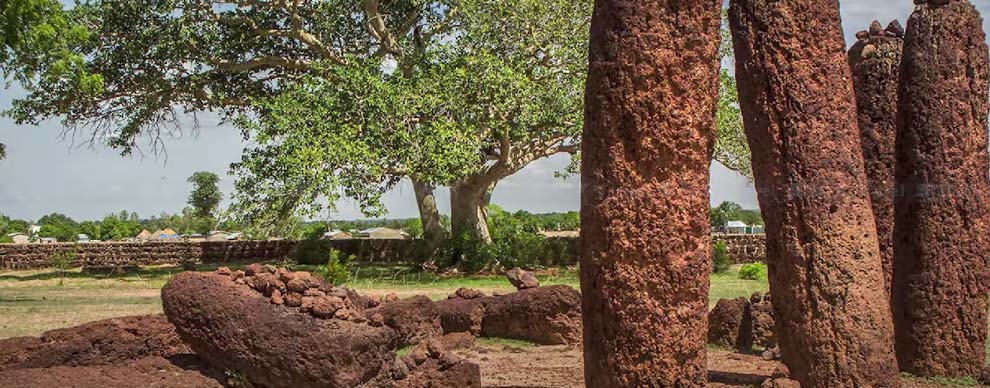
x=59 y=226
x=62 y=262
x=205 y=196
x=731 y=211
x=721 y=262
x=753 y=271
x=337 y=269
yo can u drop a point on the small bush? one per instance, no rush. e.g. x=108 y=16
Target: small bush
x=720 y=257
x=337 y=269
x=753 y=271
x=61 y=262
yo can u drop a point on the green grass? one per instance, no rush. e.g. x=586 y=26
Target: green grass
x=504 y=342
x=32 y=302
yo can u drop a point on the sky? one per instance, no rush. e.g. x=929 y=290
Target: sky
x=46 y=173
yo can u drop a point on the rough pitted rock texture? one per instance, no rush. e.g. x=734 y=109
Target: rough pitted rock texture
x=414 y=319
x=430 y=365
x=144 y=372
x=730 y=324
x=521 y=279
x=942 y=232
x=875 y=61
x=647 y=144
x=459 y=315
x=544 y=315
x=235 y=327
x=799 y=111
x=761 y=310
x=106 y=342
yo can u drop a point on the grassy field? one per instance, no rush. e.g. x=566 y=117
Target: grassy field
x=32 y=302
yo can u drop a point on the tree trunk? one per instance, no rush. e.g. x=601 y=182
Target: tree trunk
x=826 y=276
x=649 y=131
x=469 y=209
x=433 y=233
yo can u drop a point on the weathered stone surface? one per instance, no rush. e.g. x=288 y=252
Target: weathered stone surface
x=942 y=232
x=413 y=319
x=236 y=328
x=730 y=324
x=647 y=145
x=544 y=315
x=875 y=62
x=521 y=280
x=145 y=372
x=105 y=342
x=826 y=275
x=461 y=315
x=761 y=310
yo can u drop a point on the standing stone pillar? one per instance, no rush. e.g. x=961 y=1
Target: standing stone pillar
x=799 y=111
x=875 y=61
x=942 y=229
x=649 y=132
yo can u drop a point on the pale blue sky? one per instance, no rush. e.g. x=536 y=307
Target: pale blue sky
x=44 y=174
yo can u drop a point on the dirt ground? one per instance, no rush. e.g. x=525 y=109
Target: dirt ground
x=562 y=367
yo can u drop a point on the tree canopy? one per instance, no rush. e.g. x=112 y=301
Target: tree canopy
x=205 y=196
x=340 y=99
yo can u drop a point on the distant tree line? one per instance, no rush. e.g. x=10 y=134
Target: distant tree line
x=731 y=211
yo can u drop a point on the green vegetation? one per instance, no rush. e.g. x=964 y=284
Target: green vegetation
x=731 y=211
x=61 y=262
x=721 y=262
x=33 y=302
x=205 y=196
x=337 y=269
x=753 y=271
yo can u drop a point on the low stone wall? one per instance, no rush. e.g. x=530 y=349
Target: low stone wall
x=561 y=251
x=744 y=248
x=104 y=254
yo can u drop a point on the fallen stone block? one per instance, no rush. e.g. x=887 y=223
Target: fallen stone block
x=730 y=324
x=543 y=315
x=105 y=342
x=146 y=372
x=413 y=319
x=236 y=328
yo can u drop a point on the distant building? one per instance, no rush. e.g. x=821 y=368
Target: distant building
x=145 y=235
x=217 y=235
x=561 y=233
x=195 y=237
x=48 y=240
x=83 y=238
x=337 y=234
x=739 y=227
x=236 y=236
x=166 y=234
x=19 y=238
x=384 y=234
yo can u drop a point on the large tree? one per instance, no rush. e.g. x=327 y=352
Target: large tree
x=342 y=98
x=205 y=195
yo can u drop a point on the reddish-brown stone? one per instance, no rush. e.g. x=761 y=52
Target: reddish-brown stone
x=942 y=230
x=875 y=61
x=826 y=275
x=106 y=342
x=647 y=146
x=730 y=324
x=235 y=328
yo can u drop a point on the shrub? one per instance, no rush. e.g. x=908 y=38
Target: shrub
x=753 y=271
x=720 y=257
x=312 y=251
x=337 y=269
x=61 y=262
